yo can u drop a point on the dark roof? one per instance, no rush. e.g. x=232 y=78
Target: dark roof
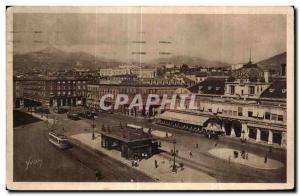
x=249 y=71
x=211 y=85
x=277 y=90
x=127 y=134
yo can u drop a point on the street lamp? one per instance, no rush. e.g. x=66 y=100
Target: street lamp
x=174 y=155
x=93 y=126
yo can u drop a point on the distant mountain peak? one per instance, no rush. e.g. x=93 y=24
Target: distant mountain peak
x=51 y=49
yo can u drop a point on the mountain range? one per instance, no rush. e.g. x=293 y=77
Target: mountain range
x=52 y=58
x=273 y=62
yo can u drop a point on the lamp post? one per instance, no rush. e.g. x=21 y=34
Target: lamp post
x=93 y=126
x=174 y=155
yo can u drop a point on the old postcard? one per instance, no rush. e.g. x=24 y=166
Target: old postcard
x=150 y=98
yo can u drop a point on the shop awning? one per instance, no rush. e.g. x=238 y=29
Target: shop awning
x=184 y=118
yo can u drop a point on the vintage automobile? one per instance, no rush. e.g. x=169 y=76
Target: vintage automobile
x=88 y=114
x=73 y=116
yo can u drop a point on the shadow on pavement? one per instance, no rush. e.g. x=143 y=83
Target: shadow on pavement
x=22 y=118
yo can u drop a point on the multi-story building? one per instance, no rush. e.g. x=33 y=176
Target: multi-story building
x=17 y=93
x=55 y=91
x=130 y=88
x=248 y=105
x=114 y=72
x=128 y=70
x=144 y=73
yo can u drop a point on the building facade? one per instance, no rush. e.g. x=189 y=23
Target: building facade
x=130 y=88
x=55 y=91
x=248 y=104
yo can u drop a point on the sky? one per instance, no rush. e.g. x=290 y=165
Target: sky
x=226 y=38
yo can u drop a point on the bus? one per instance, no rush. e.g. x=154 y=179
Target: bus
x=59 y=140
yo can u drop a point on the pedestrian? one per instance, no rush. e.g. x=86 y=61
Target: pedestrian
x=196 y=145
x=155 y=163
x=191 y=155
x=216 y=144
x=266 y=158
x=246 y=156
x=132 y=164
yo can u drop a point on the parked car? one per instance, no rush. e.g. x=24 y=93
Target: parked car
x=42 y=110
x=73 y=116
x=88 y=114
x=60 y=110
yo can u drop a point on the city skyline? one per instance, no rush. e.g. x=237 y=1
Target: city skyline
x=146 y=37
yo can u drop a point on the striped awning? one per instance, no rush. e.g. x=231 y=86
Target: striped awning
x=192 y=119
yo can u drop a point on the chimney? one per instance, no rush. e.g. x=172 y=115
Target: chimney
x=283 y=70
x=266 y=76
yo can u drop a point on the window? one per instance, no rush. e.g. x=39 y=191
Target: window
x=210 y=110
x=250 y=113
x=218 y=88
x=209 y=87
x=240 y=111
x=267 y=115
x=234 y=113
x=251 y=90
x=280 y=117
x=274 y=116
x=232 y=89
x=283 y=90
x=271 y=90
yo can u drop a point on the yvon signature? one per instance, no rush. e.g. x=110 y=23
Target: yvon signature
x=33 y=162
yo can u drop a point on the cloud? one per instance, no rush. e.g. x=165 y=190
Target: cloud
x=215 y=37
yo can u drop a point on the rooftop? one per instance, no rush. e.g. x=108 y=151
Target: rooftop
x=127 y=134
x=212 y=85
x=277 y=90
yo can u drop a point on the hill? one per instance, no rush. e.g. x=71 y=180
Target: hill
x=273 y=62
x=53 y=59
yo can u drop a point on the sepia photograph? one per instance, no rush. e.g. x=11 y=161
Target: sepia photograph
x=150 y=98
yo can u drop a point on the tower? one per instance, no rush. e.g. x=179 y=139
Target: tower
x=250 y=62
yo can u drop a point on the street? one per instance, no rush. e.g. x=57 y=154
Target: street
x=30 y=144
x=35 y=159
x=202 y=160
